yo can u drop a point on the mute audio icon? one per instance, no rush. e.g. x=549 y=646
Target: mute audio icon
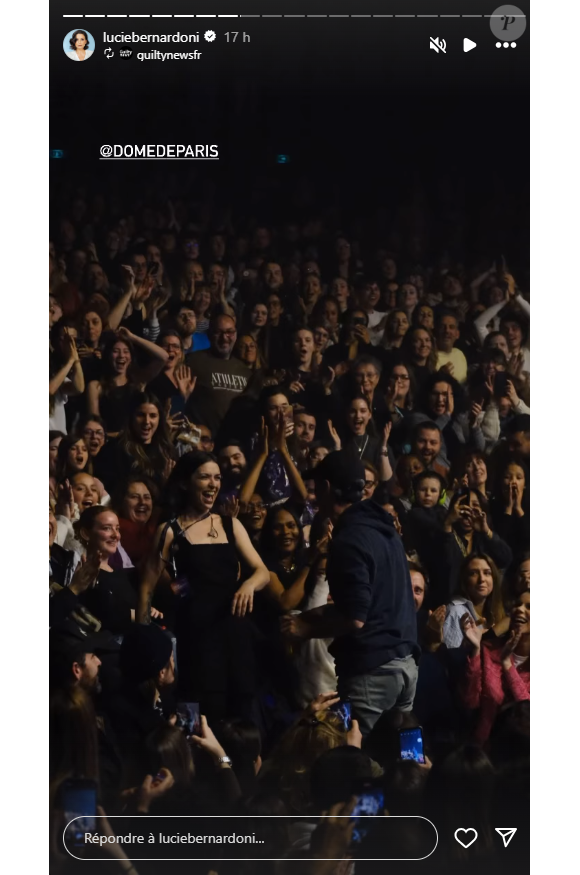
x=437 y=44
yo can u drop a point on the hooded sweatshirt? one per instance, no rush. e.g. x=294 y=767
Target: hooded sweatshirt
x=369 y=581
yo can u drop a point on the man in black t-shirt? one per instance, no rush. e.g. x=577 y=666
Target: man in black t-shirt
x=372 y=616
x=220 y=378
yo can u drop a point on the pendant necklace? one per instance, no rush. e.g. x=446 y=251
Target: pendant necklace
x=213 y=532
x=363 y=448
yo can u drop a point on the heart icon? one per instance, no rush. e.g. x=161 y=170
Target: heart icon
x=466 y=837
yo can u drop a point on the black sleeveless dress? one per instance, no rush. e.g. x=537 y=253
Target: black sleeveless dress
x=215 y=650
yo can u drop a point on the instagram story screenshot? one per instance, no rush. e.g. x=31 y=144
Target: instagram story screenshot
x=289 y=437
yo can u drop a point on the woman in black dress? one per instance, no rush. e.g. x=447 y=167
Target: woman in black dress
x=203 y=552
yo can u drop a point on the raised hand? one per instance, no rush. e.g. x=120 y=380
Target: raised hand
x=512 y=394
x=264 y=439
x=479 y=520
x=515 y=365
x=87 y=572
x=434 y=626
x=152 y=788
x=65 y=504
x=169 y=466
x=386 y=434
x=124 y=333
x=447 y=369
x=472 y=633
x=73 y=354
x=509 y=647
x=207 y=740
x=474 y=413
x=296 y=386
x=329 y=379
x=361 y=332
x=279 y=436
x=322 y=702
x=231 y=507
x=334 y=435
x=185 y=382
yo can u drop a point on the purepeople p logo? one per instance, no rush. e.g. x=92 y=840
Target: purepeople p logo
x=508 y=23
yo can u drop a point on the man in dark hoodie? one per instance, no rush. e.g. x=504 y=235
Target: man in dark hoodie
x=372 y=616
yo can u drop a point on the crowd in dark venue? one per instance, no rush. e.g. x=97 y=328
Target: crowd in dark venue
x=289 y=469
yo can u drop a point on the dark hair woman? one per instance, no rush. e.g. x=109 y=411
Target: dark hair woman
x=143 y=447
x=497 y=670
x=361 y=439
x=122 y=379
x=282 y=547
x=72 y=457
x=255 y=325
x=478 y=594
x=80 y=48
x=466 y=530
x=396 y=327
x=202 y=551
x=511 y=504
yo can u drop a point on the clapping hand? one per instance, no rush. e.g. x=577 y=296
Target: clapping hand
x=87 y=572
x=472 y=633
x=434 y=626
x=65 y=504
x=264 y=439
x=509 y=647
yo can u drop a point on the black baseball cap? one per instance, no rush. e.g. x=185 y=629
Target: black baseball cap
x=68 y=638
x=345 y=472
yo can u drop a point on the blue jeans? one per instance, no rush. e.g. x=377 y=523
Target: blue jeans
x=389 y=687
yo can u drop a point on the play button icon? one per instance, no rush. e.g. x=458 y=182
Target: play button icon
x=468 y=45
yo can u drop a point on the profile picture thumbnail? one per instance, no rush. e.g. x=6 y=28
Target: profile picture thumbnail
x=79 y=45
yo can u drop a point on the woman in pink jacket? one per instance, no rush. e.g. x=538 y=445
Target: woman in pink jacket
x=498 y=672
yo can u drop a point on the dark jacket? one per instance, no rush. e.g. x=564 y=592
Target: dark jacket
x=369 y=581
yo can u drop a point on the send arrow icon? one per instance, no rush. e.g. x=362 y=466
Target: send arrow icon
x=507 y=833
x=468 y=45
